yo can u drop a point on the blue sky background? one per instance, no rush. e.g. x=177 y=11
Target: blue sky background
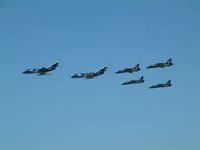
x=57 y=112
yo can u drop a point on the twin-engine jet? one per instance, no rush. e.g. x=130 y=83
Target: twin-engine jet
x=130 y=70
x=161 y=85
x=42 y=70
x=161 y=65
x=141 y=80
x=90 y=75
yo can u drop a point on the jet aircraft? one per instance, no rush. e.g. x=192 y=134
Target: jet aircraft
x=141 y=80
x=161 y=65
x=89 y=75
x=129 y=70
x=42 y=70
x=167 y=84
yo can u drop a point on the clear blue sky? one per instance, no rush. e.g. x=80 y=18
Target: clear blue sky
x=59 y=113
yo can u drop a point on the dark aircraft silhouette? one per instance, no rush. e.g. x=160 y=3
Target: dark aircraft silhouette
x=129 y=70
x=90 y=75
x=42 y=70
x=30 y=71
x=167 y=84
x=141 y=80
x=161 y=65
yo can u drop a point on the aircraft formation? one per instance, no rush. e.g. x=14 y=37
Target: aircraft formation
x=92 y=75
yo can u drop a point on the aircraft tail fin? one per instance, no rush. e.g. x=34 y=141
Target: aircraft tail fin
x=137 y=66
x=168 y=82
x=169 y=61
x=101 y=71
x=141 y=78
x=54 y=66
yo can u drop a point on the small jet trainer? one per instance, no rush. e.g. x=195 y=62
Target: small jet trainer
x=90 y=75
x=167 y=84
x=42 y=70
x=141 y=80
x=161 y=65
x=129 y=70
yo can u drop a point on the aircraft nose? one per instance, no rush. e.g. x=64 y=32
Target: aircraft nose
x=74 y=76
x=25 y=72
